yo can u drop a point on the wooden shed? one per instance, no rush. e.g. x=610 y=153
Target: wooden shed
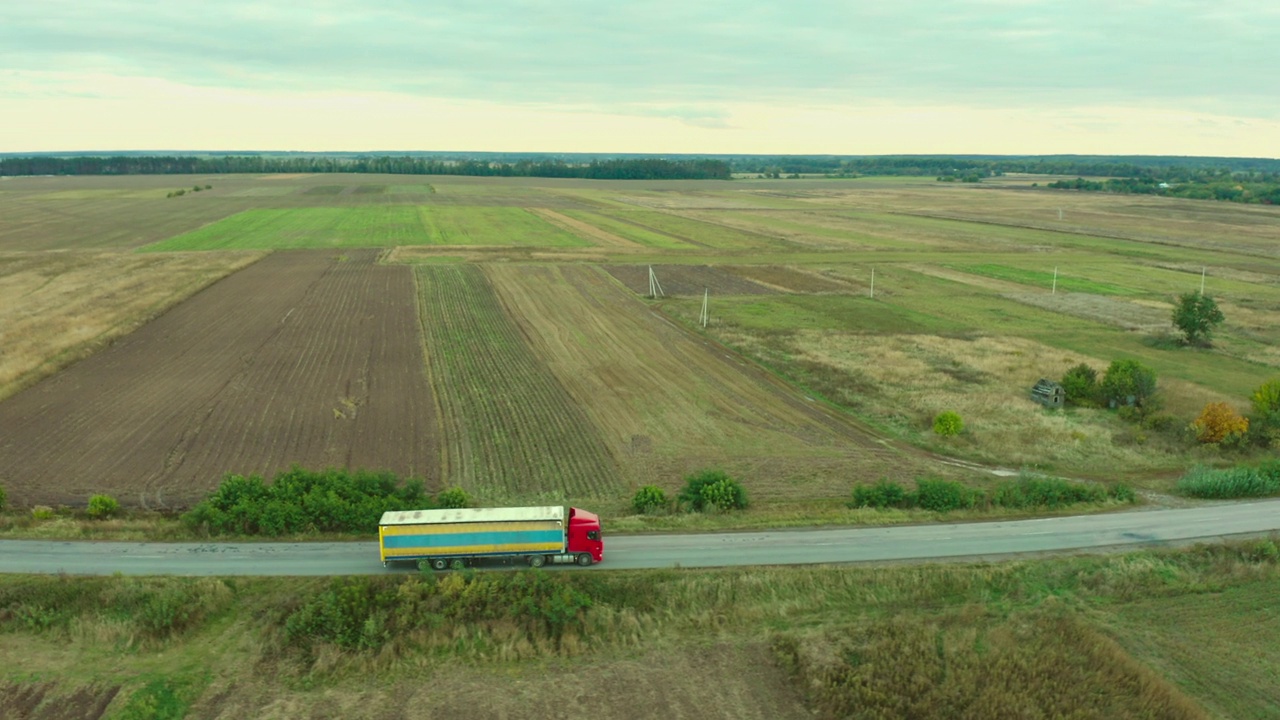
x=1049 y=394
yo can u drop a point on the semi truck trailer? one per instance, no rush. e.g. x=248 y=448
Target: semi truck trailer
x=456 y=538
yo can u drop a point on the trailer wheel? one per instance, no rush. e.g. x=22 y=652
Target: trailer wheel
x=585 y=559
x=439 y=564
x=458 y=564
x=537 y=560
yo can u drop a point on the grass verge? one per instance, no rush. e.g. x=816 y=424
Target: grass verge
x=984 y=640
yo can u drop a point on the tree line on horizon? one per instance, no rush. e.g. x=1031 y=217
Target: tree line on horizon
x=1231 y=188
x=604 y=169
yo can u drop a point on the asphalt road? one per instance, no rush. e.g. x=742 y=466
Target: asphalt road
x=784 y=547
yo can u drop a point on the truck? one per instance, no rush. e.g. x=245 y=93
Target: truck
x=458 y=537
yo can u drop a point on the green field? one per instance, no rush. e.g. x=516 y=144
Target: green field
x=1041 y=279
x=682 y=231
x=630 y=231
x=371 y=226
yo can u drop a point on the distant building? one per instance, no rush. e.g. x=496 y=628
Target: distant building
x=1049 y=394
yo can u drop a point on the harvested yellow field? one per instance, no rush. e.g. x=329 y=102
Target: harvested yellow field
x=56 y=308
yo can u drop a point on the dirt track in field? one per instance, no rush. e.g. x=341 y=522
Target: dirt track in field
x=311 y=358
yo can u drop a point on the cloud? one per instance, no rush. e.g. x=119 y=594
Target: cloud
x=664 y=51
x=723 y=73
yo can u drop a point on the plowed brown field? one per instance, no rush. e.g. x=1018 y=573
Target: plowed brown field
x=304 y=357
x=687 y=280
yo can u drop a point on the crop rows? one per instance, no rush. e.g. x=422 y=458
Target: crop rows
x=508 y=425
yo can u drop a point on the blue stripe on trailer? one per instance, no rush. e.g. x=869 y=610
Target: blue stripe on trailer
x=428 y=541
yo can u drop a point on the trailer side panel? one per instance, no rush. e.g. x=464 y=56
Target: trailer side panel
x=471 y=539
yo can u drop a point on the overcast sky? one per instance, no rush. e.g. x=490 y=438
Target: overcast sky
x=1177 y=77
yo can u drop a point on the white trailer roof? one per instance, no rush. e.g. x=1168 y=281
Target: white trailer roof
x=470 y=515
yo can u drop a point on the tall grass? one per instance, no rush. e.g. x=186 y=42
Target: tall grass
x=1024 y=492
x=1236 y=482
x=969 y=665
x=126 y=610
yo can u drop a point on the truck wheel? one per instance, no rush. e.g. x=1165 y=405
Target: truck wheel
x=458 y=564
x=585 y=559
x=537 y=560
x=439 y=564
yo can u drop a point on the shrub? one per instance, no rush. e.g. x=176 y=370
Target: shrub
x=1122 y=493
x=1266 y=408
x=1219 y=422
x=4 y=500
x=724 y=494
x=305 y=501
x=884 y=494
x=1236 y=482
x=947 y=424
x=649 y=499
x=945 y=495
x=712 y=489
x=1033 y=491
x=1266 y=399
x=103 y=506
x=1080 y=384
x=1160 y=422
x=454 y=497
x=42 y=512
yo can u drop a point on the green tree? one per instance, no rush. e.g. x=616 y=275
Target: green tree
x=1196 y=315
x=1081 y=385
x=1127 y=379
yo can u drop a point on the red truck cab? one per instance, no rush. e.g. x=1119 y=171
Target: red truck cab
x=585 y=534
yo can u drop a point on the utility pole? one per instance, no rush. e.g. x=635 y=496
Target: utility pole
x=654 y=288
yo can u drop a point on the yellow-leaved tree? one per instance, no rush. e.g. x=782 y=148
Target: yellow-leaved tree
x=1218 y=422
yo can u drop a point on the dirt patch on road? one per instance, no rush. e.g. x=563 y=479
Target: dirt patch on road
x=311 y=358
